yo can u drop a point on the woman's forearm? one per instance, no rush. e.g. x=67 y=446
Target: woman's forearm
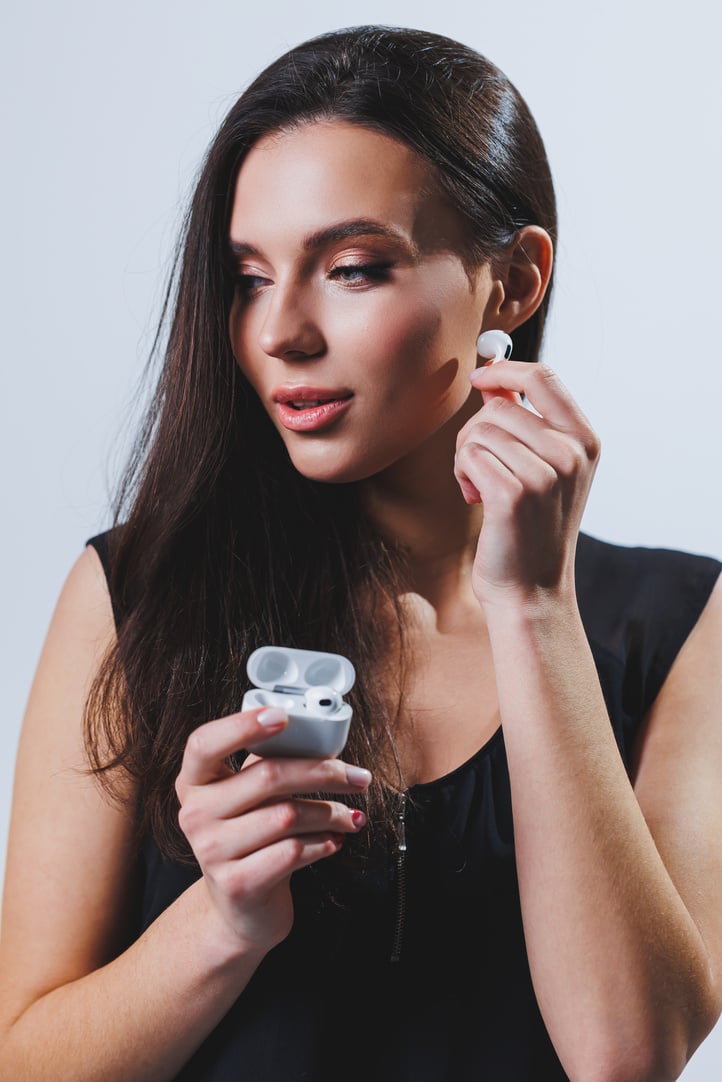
x=142 y=1016
x=619 y=967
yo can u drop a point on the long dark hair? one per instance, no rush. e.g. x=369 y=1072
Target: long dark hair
x=218 y=544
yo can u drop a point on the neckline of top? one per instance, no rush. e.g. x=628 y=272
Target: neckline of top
x=486 y=748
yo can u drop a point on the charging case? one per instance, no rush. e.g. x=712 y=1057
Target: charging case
x=281 y=676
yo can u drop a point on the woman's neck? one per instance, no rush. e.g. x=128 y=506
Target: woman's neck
x=418 y=504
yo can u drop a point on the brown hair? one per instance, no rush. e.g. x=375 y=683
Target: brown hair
x=219 y=545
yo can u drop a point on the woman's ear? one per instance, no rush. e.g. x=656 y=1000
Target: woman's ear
x=523 y=274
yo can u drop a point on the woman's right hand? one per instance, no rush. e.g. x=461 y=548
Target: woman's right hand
x=250 y=830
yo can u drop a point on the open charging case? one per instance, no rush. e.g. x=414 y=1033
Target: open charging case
x=281 y=676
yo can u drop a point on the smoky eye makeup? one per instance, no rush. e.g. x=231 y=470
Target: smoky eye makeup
x=359 y=265
x=361 y=273
x=247 y=283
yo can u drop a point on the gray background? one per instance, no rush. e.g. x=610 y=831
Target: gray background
x=106 y=113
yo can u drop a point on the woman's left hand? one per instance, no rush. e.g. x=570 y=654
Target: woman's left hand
x=532 y=474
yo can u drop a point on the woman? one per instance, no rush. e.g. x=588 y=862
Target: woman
x=512 y=873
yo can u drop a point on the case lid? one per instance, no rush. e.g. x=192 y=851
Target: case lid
x=287 y=669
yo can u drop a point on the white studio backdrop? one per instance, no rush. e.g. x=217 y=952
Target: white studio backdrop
x=107 y=110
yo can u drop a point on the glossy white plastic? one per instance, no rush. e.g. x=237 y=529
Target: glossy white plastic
x=494 y=346
x=301 y=681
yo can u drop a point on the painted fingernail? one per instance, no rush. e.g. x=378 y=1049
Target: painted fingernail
x=272 y=717
x=358 y=776
x=358 y=818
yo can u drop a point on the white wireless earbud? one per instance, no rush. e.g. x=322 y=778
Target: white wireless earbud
x=322 y=700
x=494 y=345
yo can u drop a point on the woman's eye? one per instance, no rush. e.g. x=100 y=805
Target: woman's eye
x=351 y=274
x=356 y=274
x=247 y=284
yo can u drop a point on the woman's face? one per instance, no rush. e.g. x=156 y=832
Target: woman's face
x=350 y=289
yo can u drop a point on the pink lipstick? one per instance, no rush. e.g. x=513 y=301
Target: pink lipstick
x=307 y=409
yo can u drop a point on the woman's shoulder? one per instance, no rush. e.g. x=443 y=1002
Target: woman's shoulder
x=104 y=544
x=639 y=604
x=613 y=576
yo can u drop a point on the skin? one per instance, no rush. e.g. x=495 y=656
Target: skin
x=617 y=879
x=402 y=339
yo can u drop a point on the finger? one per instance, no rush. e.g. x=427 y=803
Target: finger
x=563 y=451
x=510 y=415
x=261 y=871
x=520 y=463
x=490 y=476
x=498 y=392
x=233 y=839
x=209 y=745
x=271 y=779
x=539 y=383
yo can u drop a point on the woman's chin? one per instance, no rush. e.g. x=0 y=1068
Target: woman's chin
x=328 y=467
x=329 y=476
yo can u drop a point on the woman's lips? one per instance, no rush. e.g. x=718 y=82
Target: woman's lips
x=312 y=418
x=309 y=407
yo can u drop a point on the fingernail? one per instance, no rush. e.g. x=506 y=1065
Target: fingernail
x=358 y=776
x=358 y=818
x=486 y=363
x=272 y=717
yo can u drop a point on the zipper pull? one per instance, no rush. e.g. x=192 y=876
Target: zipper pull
x=401 y=843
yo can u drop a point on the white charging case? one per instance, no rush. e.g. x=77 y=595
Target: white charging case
x=281 y=676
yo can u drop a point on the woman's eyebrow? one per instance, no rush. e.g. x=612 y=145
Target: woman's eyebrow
x=354 y=227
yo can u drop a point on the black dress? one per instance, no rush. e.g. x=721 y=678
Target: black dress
x=421 y=975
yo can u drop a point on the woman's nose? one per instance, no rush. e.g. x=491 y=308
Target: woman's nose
x=290 y=326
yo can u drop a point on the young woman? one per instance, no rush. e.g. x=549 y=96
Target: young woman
x=513 y=871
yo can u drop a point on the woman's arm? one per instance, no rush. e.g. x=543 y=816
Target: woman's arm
x=72 y=1006
x=621 y=891
x=76 y=1001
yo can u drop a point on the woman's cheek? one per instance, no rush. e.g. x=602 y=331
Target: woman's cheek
x=402 y=336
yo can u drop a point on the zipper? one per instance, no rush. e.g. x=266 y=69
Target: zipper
x=400 y=878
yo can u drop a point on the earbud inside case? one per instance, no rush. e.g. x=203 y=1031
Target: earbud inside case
x=282 y=676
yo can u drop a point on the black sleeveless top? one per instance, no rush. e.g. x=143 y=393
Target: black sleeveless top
x=456 y=1003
